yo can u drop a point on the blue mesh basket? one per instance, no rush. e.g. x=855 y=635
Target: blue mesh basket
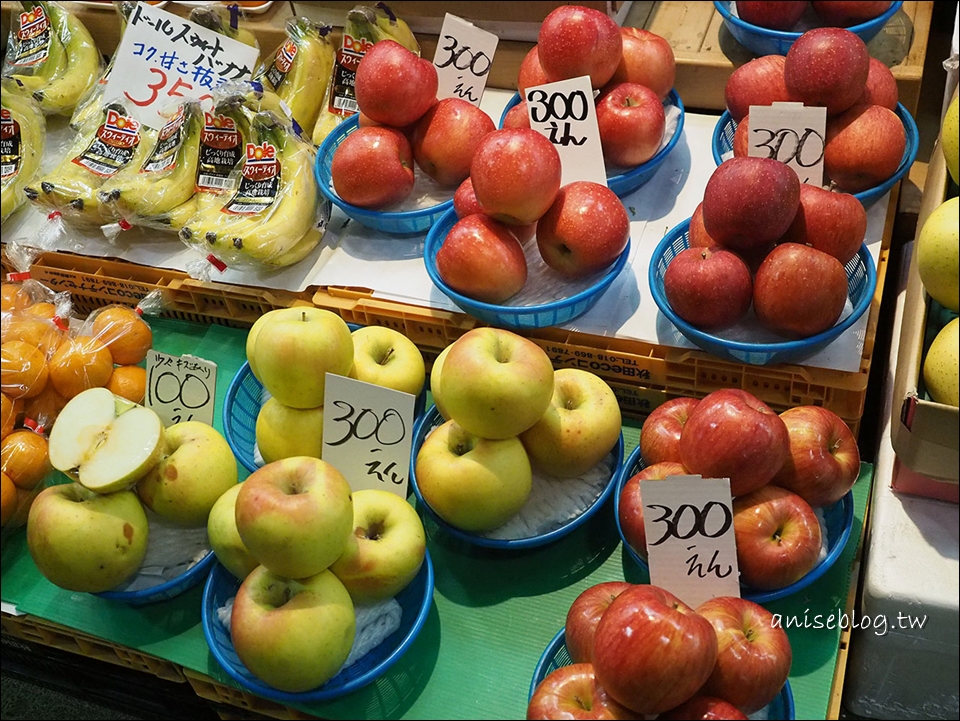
x=168 y=589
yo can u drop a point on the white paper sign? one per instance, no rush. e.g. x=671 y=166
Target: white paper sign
x=564 y=112
x=792 y=133
x=463 y=59
x=688 y=521
x=181 y=388
x=368 y=433
x=163 y=58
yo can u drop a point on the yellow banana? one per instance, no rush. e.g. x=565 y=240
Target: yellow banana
x=91 y=101
x=63 y=93
x=56 y=61
x=24 y=133
x=216 y=18
x=386 y=25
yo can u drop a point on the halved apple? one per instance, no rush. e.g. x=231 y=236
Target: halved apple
x=104 y=442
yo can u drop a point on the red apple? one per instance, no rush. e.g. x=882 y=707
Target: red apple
x=703 y=708
x=572 y=692
x=741 y=138
x=828 y=67
x=733 y=434
x=660 y=433
x=651 y=651
x=465 y=200
x=710 y=288
x=631 y=121
x=531 y=72
x=393 y=85
x=446 y=138
x=517 y=116
x=844 y=13
x=799 y=291
x=835 y=223
x=753 y=654
x=824 y=460
x=516 y=175
x=758 y=82
x=881 y=87
x=584 y=615
x=647 y=59
x=864 y=147
x=481 y=259
x=774 y=16
x=576 y=40
x=778 y=537
x=630 y=505
x=697 y=236
x=584 y=231
x=373 y=167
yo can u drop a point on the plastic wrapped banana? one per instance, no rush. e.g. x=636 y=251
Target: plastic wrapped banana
x=220 y=19
x=22 y=138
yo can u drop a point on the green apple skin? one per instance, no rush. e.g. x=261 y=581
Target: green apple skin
x=941 y=367
x=938 y=254
x=196 y=467
x=293 y=354
x=495 y=383
x=386 y=357
x=285 y=432
x=435 y=383
x=225 y=539
x=295 y=515
x=265 y=319
x=950 y=139
x=385 y=550
x=579 y=428
x=474 y=484
x=292 y=635
x=86 y=541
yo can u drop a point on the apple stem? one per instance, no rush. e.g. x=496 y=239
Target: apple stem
x=386 y=357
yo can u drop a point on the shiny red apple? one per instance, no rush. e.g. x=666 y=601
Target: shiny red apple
x=393 y=85
x=584 y=615
x=827 y=67
x=572 y=692
x=781 y=15
x=660 y=432
x=531 y=72
x=373 y=167
x=833 y=222
x=481 y=259
x=881 y=87
x=647 y=59
x=631 y=122
x=864 y=147
x=703 y=708
x=575 y=40
x=844 y=13
x=757 y=82
x=446 y=137
x=630 y=505
x=710 y=288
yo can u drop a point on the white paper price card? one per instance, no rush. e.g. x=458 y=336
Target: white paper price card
x=163 y=59
x=368 y=433
x=181 y=388
x=463 y=59
x=792 y=133
x=564 y=112
x=688 y=521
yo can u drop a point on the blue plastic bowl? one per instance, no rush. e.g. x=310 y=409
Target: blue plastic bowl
x=838 y=518
x=415 y=600
x=193 y=576
x=861 y=283
x=431 y=419
x=556 y=656
x=625 y=182
x=407 y=222
x=726 y=126
x=517 y=317
x=777 y=42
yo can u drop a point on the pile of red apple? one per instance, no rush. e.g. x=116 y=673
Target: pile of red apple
x=785 y=14
x=780 y=468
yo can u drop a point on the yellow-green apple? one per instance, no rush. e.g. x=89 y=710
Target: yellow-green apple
x=465 y=200
x=295 y=515
x=799 y=291
x=646 y=58
x=757 y=82
x=495 y=383
x=515 y=174
x=531 y=72
x=849 y=12
x=394 y=86
x=584 y=614
x=835 y=223
x=940 y=367
x=105 y=442
x=482 y=259
x=630 y=502
x=265 y=319
x=385 y=550
x=285 y=432
x=881 y=87
x=293 y=635
x=938 y=254
x=195 y=468
x=474 y=484
x=86 y=541
x=386 y=357
x=950 y=138
x=733 y=434
x=294 y=353
x=631 y=121
x=753 y=653
x=373 y=167
x=778 y=537
x=435 y=392
x=446 y=137
x=827 y=67
x=864 y=146
x=710 y=288
x=224 y=538
x=703 y=707
x=660 y=432
x=824 y=461
x=584 y=231
x=579 y=428
x=651 y=651
x=572 y=692
x=518 y=116
x=576 y=40
x=773 y=16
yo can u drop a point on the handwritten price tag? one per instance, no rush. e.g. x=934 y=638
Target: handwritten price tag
x=565 y=113
x=368 y=433
x=163 y=58
x=691 y=551
x=791 y=133
x=181 y=388
x=463 y=59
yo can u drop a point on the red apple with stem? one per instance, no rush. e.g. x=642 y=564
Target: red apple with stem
x=703 y=708
x=757 y=82
x=660 y=433
x=835 y=223
x=631 y=122
x=864 y=147
x=395 y=86
x=647 y=59
x=572 y=692
x=584 y=615
x=373 y=167
x=773 y=16
x=710 y=288
x=630 y=505
x=446 y=137
x=576 y=40
x=827 y=67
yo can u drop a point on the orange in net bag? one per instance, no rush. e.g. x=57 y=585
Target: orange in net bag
x=24 y=458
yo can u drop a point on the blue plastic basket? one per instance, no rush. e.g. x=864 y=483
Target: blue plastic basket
x=861 y=283
x=415 y=600
x=838 y=518
x=193 y=576
x=431 y=419
x=626 y=181
x=777 y=42
x=517 y=317
x=407 y=222
x=556 y=656
x=726 y=126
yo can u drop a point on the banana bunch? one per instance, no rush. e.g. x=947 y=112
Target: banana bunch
x=23 y=136
x=217 y=18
